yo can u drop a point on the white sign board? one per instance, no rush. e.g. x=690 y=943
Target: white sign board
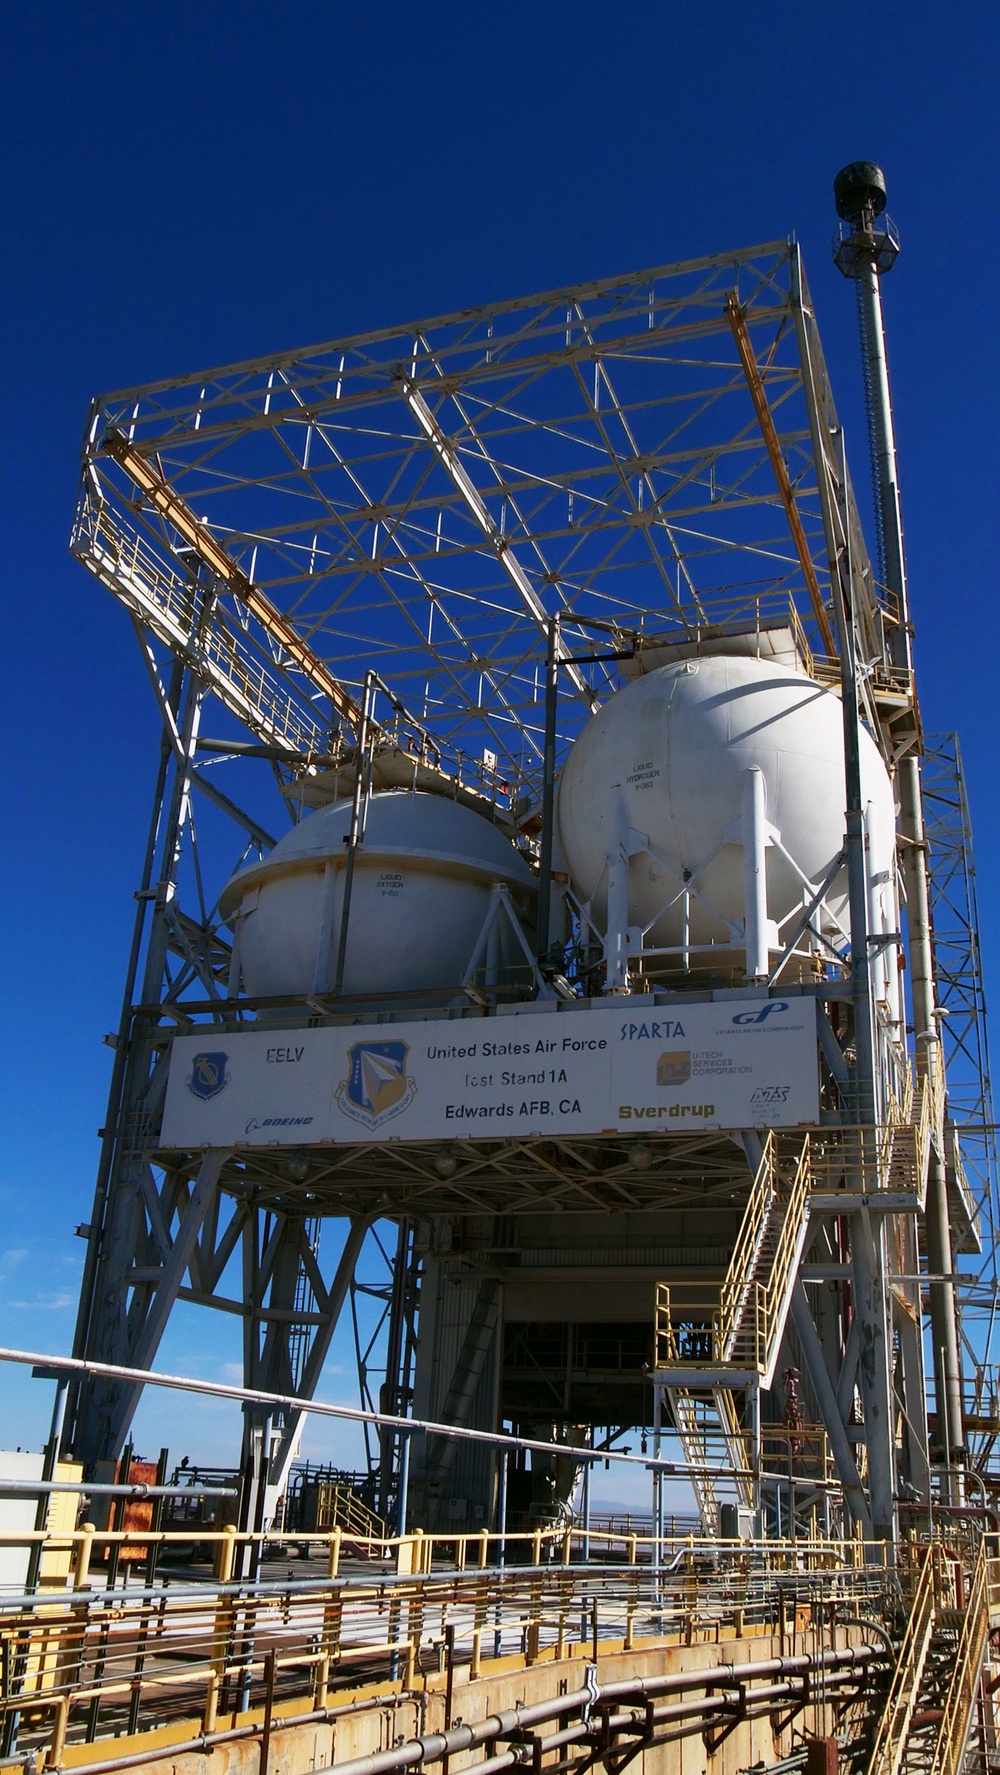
x=741 y=1062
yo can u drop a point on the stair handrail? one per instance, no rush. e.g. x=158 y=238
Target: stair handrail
x=924 y=1126
x=739 y=1276
x=351 y=1513
x=738 y=1447
x=691 y=1431
x=956 y=1717
x=772 y=1295
x=665 y=1340
x=900 y=1704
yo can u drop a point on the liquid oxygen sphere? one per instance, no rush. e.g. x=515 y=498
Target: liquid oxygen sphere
x=421 y=891
x=679 y=742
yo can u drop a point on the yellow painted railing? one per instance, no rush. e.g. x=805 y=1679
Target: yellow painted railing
x=108 y=1663
x=774 y=1292
x=339 y=1506
x=964 y=1686
x=741 y=1309
x=735 y=1288
x=894 y=1724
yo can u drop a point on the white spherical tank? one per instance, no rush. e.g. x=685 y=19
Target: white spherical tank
x=423 y=878
x=673 y=750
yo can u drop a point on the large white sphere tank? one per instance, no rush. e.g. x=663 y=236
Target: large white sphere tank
x=423 y=878
x=678 y=744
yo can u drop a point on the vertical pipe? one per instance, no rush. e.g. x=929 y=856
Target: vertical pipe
x=502 y=1509
x=586 y=1512
x=892 y=956
x=861 y=264
x=393 y=1403
x=656 y=1555
x=940 y=1260
x=867 y=1256
x=886 y=473
x=616 y=939
x=548 y=790
x=876 y=917
x=404 y=1483
x=754 y=825
x=356 y=829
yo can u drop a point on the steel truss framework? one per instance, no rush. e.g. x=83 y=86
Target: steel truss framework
x=422 y=500
x=656 y=456
x=964 y=1031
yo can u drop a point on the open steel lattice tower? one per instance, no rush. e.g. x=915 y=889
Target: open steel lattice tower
x=392 y=557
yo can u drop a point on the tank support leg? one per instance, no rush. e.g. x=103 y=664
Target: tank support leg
x=624 y=843
x=754 y=828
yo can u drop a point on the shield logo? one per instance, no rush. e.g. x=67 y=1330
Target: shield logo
x=208 y=1075
x=377 y=1086
x=674 y=1067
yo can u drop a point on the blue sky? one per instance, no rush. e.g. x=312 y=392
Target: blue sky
x=193 y=184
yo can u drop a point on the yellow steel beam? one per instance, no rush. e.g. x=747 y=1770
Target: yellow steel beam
x=758 y=395
x=171 y=506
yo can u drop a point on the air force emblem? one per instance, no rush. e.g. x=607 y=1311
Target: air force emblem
x=376 y=1087
x=208 y=1075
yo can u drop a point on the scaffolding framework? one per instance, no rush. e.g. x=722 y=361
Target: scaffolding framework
x=378 y=552
x=964 y=1027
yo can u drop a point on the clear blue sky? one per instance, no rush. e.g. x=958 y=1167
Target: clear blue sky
x=191 y=184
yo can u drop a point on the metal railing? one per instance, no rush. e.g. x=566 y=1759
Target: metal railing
x=165 y=599
x=93 y=1661
x=981 y=1604
x=741 y=1309
x=894 y=1724
x=339 y=1506
x=170 y=604
x=763 y=1196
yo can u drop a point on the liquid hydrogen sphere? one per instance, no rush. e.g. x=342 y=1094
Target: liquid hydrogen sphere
x=674 y=748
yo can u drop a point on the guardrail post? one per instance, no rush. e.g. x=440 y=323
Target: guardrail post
x=225 y=1558
x=59 y=1728
x=333 y=1616
x=83 y=1555
x=335 y=1541
x=532 y=1638
x=630 y=1607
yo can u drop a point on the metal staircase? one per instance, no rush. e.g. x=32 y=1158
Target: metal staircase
x=712 y=1436
x=963 y=1665
x=930 y=1719
x=342 y=1506
x=906 y=1143
x=895 y=1724
x=712 y=1346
